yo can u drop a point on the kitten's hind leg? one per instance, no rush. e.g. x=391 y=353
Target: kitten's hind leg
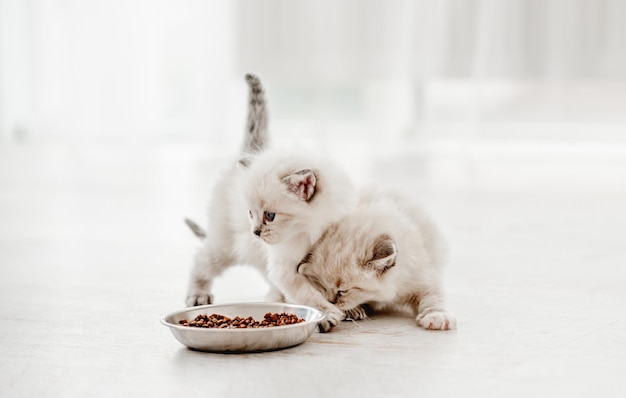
x=432 y=314
x=208 y=264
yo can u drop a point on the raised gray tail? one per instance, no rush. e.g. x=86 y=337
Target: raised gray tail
x=256 y=135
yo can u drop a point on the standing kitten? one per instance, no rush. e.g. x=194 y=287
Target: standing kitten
x=292 y=200
x=226 y=241
x=387 y=253
x=268 y=211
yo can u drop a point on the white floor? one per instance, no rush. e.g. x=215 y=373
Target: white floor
x=93 y=251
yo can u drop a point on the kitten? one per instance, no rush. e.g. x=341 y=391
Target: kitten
x=292 y=200
x=268 y=211
x=387 y=254
x=227 y=241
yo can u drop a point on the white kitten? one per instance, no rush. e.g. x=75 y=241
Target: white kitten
x=387 y=253
x=227 y=240
x=268 y=211
x=292 y=200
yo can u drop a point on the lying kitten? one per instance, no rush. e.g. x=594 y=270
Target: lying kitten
x=387 y=253
x=268 y=212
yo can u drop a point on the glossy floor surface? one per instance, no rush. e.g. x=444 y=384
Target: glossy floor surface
x=93 y=251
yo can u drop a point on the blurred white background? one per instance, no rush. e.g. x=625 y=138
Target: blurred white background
x=507 y=118
x=477 y=72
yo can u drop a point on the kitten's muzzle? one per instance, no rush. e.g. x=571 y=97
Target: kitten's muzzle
x=258 y=232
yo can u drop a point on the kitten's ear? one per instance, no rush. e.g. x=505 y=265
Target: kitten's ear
x=384 y=254
x=302 y=183
x=304 y=264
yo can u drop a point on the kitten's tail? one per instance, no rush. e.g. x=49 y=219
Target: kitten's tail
x=256 y=135
x=196 y=229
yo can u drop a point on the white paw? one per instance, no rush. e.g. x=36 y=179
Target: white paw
x=332 y=319
x=437 y=320
x=198 y=299
x=356 y=313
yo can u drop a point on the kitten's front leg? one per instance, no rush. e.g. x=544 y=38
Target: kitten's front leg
x=432 y=314
x=333 y=317
x=207 y=265
x=274 y=294
x=297 y=289
x=357 y=313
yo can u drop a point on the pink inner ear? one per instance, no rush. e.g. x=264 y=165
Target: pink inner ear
x=306 y=187
x=302 y=184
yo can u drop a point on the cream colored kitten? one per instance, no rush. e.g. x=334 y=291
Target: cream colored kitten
x=387 y=253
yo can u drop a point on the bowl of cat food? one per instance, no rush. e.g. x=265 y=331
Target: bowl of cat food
x=243 y=327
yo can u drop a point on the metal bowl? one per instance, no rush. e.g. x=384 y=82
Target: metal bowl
x=244 y=340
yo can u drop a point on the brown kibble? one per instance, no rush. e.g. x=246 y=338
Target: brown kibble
x=223 y=322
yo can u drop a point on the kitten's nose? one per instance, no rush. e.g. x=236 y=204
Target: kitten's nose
x=257 y=232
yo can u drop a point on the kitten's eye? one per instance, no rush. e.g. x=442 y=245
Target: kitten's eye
x=317 y=285
x=269 y=216
x=250 y=213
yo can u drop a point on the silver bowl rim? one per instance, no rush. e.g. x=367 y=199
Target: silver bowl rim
x=319 y=316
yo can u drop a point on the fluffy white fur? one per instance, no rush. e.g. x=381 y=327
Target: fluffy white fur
x=387 y=253
x=306 y=195
x=227 y=240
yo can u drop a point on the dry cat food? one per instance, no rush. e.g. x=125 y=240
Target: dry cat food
x=218 y=321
